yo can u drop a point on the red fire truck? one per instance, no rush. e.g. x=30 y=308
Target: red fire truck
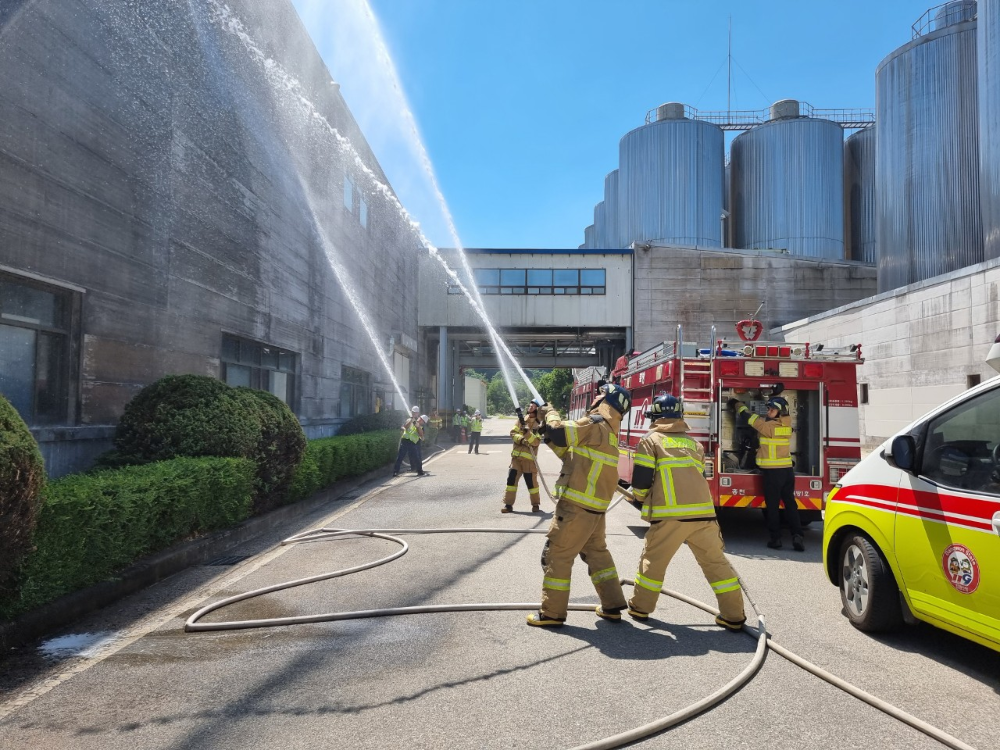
x=820 y=385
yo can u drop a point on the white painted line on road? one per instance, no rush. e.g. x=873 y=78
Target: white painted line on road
x=156 y=620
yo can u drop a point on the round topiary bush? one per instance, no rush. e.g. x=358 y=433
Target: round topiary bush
x=195 y=415
x=186 y=415
x=22 y=476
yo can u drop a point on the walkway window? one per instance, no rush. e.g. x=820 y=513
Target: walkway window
x=355 y=392
x=35 y=349
x=256 y=365
x=538 y=281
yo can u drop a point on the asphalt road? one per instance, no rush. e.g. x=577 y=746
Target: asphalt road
x=482 y=680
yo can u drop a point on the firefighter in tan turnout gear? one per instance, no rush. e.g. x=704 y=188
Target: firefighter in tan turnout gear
x=774 y=459
x=589 y=452
x=671 y=491
x=522 y=461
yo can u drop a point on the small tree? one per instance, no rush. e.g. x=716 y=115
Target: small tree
x=22 y=476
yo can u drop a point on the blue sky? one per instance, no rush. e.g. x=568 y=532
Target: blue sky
x=521 y=103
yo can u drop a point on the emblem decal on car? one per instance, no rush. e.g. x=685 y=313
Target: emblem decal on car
x=961 y=568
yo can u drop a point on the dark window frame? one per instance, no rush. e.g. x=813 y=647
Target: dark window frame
x=491 y=286
x=249 y=355
x=359 y=385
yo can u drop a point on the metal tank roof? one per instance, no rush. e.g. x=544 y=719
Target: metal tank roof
x=670 y=178
x=927 y=157
x=787 y=184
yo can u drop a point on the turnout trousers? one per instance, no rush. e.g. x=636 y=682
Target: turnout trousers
x=530 y=479
x=574 y=531
x=779 y=487
x=704 y=538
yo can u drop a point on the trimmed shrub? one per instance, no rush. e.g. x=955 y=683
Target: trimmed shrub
x=94 y=525
x=22 y=477
x=383 y=420
x=329 y=459
x=195 y=415
x=306 y=479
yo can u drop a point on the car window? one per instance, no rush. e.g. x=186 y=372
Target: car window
x=960 y=445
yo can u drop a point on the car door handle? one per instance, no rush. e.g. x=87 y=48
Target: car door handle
x=996 y=522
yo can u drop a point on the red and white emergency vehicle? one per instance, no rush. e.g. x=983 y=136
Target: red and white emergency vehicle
x=820 y=385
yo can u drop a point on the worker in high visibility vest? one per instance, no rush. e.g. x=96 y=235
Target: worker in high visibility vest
x=774 y=459
x=522 y=461
x=456 y=425
x=588 y=448
x=409 y=443
x=475 y=430
x=670 y=489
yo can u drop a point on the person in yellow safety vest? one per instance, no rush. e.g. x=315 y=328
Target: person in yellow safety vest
x=774 y=459
x=522 y=461
x=588 y=448
x=409 y=443
x=670 y=489
x=475 y=430
x=456 y=425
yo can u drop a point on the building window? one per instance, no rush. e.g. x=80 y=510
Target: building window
x=538 y=281
x=348 y=193
x=355 y=392
x=971 y=381
x=35 y=349
x=864 y=393
x=255 y=365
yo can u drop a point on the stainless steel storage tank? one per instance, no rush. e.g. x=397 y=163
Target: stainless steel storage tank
x=988 y=44
x=670 y=181
x=859 y=196
x=599 y=226
x=612 y=235
x=588 y=238
x=787 y=185
x=927 y=158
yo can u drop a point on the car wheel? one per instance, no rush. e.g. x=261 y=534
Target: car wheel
x=868 y=588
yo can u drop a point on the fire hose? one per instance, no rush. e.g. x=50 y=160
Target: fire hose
x=764 y=642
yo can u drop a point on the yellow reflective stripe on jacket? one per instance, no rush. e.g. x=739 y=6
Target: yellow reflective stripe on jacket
x=774 y=463
x=679 y=511
x=571 y=434
x=596 y=456
x=648 y=583
x=677 y=462
x=589 y=501
x=641 y=459
x=557 y=584
x=730 y=584
x=604 y=575
x=640 y=494
x=522 y=454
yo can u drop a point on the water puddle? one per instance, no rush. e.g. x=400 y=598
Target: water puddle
x=84 y=645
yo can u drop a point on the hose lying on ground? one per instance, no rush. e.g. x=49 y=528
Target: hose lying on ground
x=646 y=730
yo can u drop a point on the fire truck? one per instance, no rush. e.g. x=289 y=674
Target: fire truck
x=820 y=385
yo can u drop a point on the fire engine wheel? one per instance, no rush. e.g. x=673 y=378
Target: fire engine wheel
x=868 y=588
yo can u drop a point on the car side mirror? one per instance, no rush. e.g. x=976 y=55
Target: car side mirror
x=903 y=452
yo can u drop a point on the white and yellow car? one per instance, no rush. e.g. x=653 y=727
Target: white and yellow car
x=914 y=529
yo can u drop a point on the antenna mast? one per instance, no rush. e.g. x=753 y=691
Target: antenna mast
x=729 y=80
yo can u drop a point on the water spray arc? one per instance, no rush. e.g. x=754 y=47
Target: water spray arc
x=282 y=81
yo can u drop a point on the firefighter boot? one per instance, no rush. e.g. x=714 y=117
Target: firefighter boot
x=637 y=615
x=775 y=543
x=507 y=509
x=614 y=614
x=539 y=620
x=798 y=543
x=732 y=627
x=536 y=509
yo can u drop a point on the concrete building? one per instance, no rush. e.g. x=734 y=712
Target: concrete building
x=169 y=204
x=922 y=343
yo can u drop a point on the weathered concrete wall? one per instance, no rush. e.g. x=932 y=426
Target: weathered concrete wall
x=921 y=344
x=698 y=288
x=147 y=156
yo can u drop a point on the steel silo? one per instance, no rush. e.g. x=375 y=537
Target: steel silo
x=927 y=159
x=600 y=228
x=611 y=233
x=859 y=196
x=988 y=43
x=787 y=185
x=670 y=181
x=589 y=240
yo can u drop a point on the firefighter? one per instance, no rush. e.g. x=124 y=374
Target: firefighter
x=588 y=448
x=669 y=487
x=475 y=430
x=409 y=448
x=522 y=461
x=774 y=459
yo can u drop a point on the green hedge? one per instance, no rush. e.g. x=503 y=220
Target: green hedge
x=329 y=459
x=22 y=477
x=94 y=525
